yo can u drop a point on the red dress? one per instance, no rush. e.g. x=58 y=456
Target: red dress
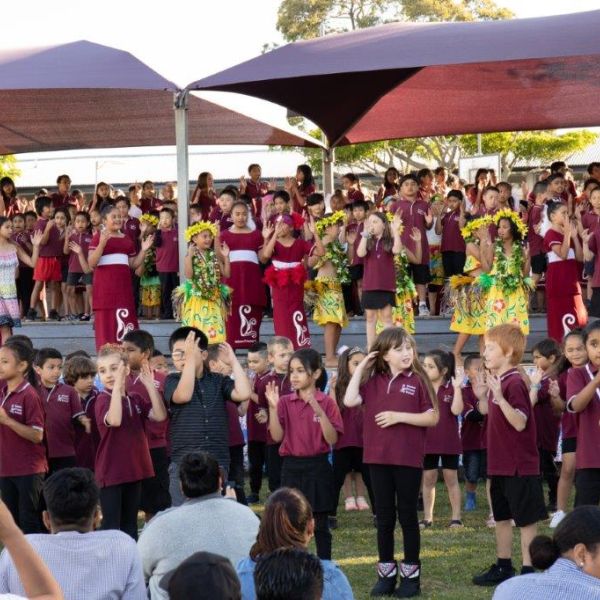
x=286 y=276
x=248 y=298
x=112 y=296
x=565 y=309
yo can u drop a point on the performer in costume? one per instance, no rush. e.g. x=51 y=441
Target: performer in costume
x=112 y=255
x=149 y=281
x=203 y=301
x=508 y=282
x=248 y=298
x=286 y=277
x=333 y=271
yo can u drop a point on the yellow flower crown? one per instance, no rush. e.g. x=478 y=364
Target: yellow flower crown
x=513 y=216
x=198 y=227
x=334 y=219
x=390 y=219
x=468 y=231
x=150 y=219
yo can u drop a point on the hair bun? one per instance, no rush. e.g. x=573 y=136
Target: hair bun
x=544 y=552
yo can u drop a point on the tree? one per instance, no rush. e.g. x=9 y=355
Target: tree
x=8 y=166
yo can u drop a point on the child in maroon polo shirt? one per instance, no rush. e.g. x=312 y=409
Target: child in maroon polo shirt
x=513 y=458
x=222 y=212
x=454 y=249
x=149 y=201
x=307 y=423
x=399 y=404
x=22 y=453
x=62 y=407
x=167 y=260
x=139 y=347
x=123 y=458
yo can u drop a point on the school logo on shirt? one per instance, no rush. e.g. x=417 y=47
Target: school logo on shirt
x=16 y=409
x=447 y=398
x=410 y=390
x=132 y=227
x=62 y=398
x=316 y=418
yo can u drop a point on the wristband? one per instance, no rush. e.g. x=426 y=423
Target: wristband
x=365 y=235
x=536 y=386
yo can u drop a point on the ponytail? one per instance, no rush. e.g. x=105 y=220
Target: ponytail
x=23 y=353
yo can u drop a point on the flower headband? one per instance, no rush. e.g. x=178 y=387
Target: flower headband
x=468 y=231
x=198 y=227
x=511 y=215
x=390 y=219
x=330 y=220
x=150 y=219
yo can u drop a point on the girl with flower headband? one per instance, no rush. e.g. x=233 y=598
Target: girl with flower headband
x=248 y=298
x=286 y=277
x=203 y=301
x=508 y=283
x=150 y=288
x=332 y=272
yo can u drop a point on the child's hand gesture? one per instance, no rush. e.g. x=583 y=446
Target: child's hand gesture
x=227 y=354
x=104 y=236
x=243 y=184
x=386 y=419
x=143 y=227
x=272 y=394
x=49 y=224
x=367 y=360
x=480 y=387
x=415 y=235
x=273 y=184
x=75 y=247
x=262 y=416
x=351 y=237
x=457 y=380
x=146 y=376
x=536 y=376
x=495 y=386
x=585 y=236
x=37 y=238
x=397 y=222
x=120 y=376
x=267 y=231
x=190 y=346
x=147 y=243
x=554 y=389
x=86 y=423
x=225 y=250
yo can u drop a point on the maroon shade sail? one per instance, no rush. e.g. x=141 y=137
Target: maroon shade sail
x=417 y=79
x=85 y=95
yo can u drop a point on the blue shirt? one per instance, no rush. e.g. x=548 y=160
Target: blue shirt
x=562 y=580
x=335 y=584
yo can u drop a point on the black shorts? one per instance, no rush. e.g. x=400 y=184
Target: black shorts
x=420 y=274
x=155 y=490
x=356 y=272
x=595 y=306
x=568 y=445
x=520 y=498
x=64 y=271
x=454 y=263
x=76 y=279
x=432 y=461
x=377 y=299
x=475 y=465
x=539 y=264
x=587 y=487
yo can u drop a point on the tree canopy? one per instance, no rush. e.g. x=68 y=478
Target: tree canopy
x=8 y=166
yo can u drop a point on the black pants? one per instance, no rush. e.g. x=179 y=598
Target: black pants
x=25 y=287
x=348 y=460
x=257 y=455
x=22 y=495
x=135 y=284
x=62 y=462
x=273 y=467
x=453 y=263
x=322 y=535
x=396 y=490
x=587 y=487
x=549 y=472
x=120 y=505
x=236 y=471
x=155 y=490
x=168 y=282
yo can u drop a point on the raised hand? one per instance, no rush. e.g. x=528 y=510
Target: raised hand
x=225 y=249
x=415 y=235
x=268 y=231
x=494 y=385
x=243 y=184
x=536 y=376
x=262 y=416
x=147 y=243
x=37 y=238
x=74 y=247
x=146 y=376
x=554 y=389
x=190 y=346
x=272 y=394
x=227 y=354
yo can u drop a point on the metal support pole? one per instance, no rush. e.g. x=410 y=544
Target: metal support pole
x=183 y=192
x=479 y=152
x=328 y=163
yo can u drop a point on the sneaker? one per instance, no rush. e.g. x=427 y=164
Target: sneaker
x=250 y=498
x=424 y=524
x=84 y=317
x=456 y=524
x=557 y=517
x=350 y=503
x=53 y=315
x=362 y=503
x=410 y=581
x=491 y=522
x=387 y=575
x=423 y=310
x=493 y=576
x=470 y=502
x=31 y=315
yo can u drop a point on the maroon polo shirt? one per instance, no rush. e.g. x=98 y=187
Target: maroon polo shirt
x=62 y=406
x=452 y=240
x=167 y=250
x=283 y=381
x=413 y=215
x=56 y=242
x=471 y=432
x=352 y=419
x=123 y=455
x=225 y=221
x=156 y=432
x=257 y=432
x=83 y=240
x=379 y=272
x=588 y=421
x=59 y=200
x=236 y=437
x=546 y=423
x=444 y=437
x=256 y=191
x=19 y=456
x=591 y=221
x=568 y=420
x=400 y=444
x=149 y=204
x=594 y=245
x=512 y=452
x=354 y=195
x=302 y=433
x=131 y=228
x=23 y=240
x=86 y=444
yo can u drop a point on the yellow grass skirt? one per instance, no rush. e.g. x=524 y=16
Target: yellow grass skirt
x=328 y=301
x=207 y=316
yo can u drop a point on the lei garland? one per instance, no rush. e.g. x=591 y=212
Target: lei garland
x=509 y=270
x=336 y=218
x=404 y=282
x=206 y=278
x=150 y=219
x=334 y=252
x=150 y=263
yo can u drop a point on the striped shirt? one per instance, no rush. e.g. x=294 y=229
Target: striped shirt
x=562 y=580
x=99 y=565
x=200 y=424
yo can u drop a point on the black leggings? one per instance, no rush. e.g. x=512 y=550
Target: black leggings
x=22 y=496
x=274 y=464
x=549 y=472
x=257 y=455
x=168 y=282
x=396 y=488
x=322 y=535
x=120 y=505
x=236 y=471
x=349 y=460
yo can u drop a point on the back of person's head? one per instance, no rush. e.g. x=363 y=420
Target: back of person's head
x=203 y=576
x=199 y=475
x=72 y=497
x=181 y=333
x=579 y=527
x=20 y=338
x=42 y=202
x=288 y=574
x=286 y=523
x=540 y=187
x=314 y=199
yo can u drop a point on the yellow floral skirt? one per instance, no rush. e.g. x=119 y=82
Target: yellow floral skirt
x=329 y=305
x=507 y=308
x=207 y=316
x=403 y=314
x=470 y=306
x=150 y=292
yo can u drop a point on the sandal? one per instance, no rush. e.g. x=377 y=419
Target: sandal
x=424 y=524
x=350 y=503
x=362 y=504
x=456 y=524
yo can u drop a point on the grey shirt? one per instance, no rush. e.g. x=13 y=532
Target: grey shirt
x=211 y=523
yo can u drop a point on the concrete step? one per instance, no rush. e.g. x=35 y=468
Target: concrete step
x=431 y=332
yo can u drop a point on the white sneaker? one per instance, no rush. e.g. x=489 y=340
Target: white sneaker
x=423 y=310
x=557 y=517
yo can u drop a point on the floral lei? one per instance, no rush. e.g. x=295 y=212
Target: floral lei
x=334 y=252
x=206 y=276
x=404 y=282
x=509 y=270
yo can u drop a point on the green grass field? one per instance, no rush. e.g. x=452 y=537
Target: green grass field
x=450 y=557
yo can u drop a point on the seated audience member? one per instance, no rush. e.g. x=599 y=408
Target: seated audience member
x=35 y=578
x=289 y=574
x=207 y=521
x=202 y=576
x=88 y=564
x=288 y=523
x=571 y=557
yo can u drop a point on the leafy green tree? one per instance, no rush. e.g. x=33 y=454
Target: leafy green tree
x=8 y=166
